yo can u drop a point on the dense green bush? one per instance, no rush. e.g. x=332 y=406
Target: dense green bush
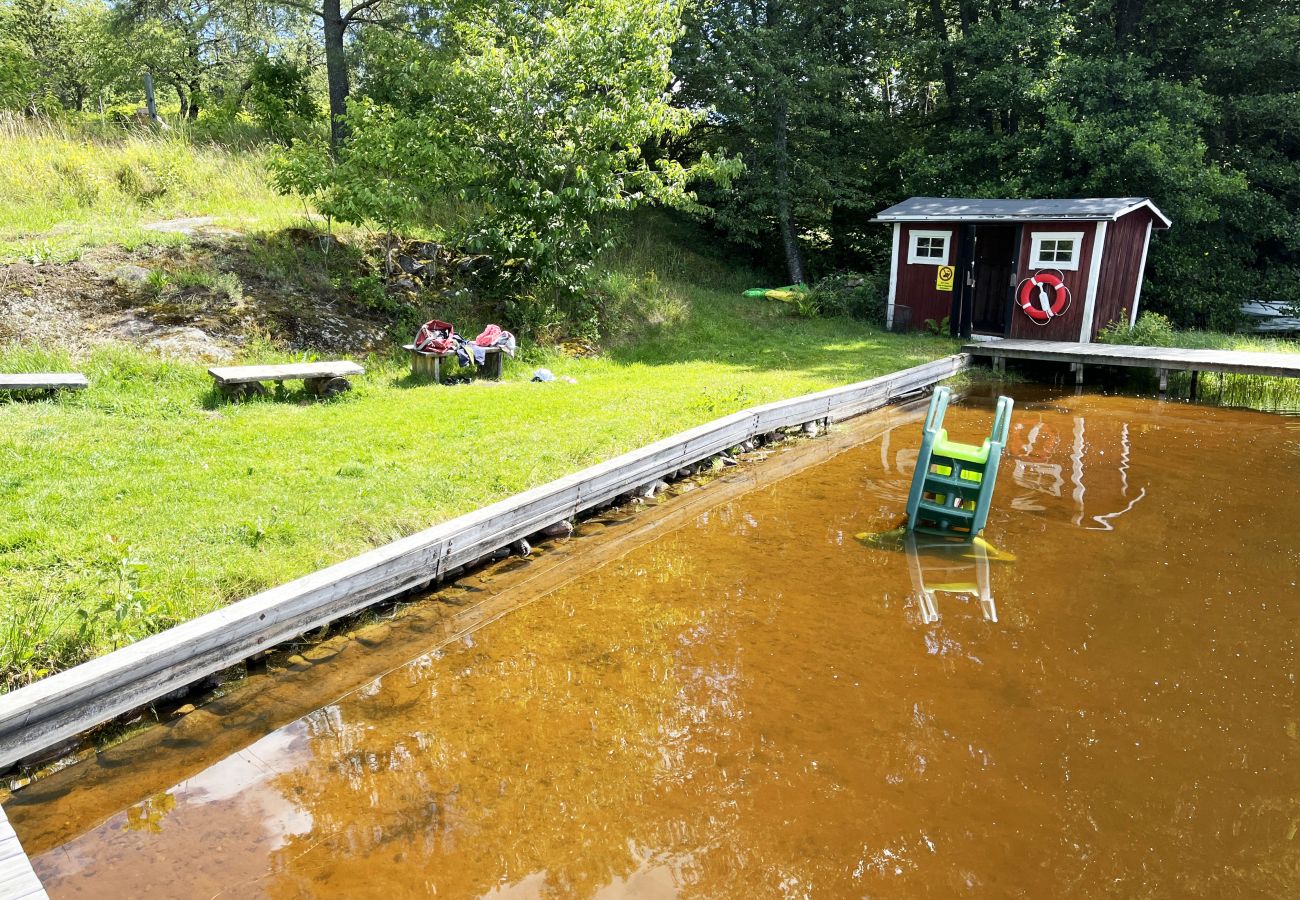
x=1151 y=330
x=280 y=98
x=852 y=294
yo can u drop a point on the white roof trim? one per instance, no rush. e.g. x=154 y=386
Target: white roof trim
x=1155 y=211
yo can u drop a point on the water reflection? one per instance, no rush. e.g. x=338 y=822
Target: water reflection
x=1099 y=489
x=939 y=565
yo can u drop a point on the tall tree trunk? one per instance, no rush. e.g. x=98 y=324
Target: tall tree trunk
x=968 y=17
x=1013 y=116
x=184 y=99
x=336 y=70
x=1127 y=15
x=195 y=93
x=149 y=102
x=784 y=208
x=940 y=25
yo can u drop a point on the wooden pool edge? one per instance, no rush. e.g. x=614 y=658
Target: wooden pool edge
x=17 y=877
x=256 y=704
x=42 y=715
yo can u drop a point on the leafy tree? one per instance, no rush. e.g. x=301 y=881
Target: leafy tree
x=793 y=87
x=280 y=97
x=197 y=47
x=18 y=68
x=51 y=53
x=337 y=19
x=536 y=123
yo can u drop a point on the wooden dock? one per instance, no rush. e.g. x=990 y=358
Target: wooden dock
x=17 y=878
x=1163 y=359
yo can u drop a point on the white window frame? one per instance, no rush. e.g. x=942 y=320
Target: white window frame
x=1036 y=240
x=913 y=239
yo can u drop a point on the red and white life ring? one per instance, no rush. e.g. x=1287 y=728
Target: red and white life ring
x=1034 y=299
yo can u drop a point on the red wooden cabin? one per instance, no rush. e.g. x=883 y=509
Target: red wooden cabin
x=1052 y=270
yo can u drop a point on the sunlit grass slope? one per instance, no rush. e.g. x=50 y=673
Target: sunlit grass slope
x=143 y=501
x=64 y=189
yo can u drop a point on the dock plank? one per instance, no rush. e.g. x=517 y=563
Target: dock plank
x=17 y=877
x=30 y=381
x=285 y=372
x=1233 y=362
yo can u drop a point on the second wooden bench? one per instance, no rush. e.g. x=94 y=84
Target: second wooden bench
x=430 y=365
x=43 y=381
x=324 y=379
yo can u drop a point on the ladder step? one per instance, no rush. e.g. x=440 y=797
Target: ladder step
x=946 y=481
x=949 y=463
x=947 y=512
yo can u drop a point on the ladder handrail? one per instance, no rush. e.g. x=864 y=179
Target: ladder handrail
x=938 y=408
x=1002 y=421
x=994 y=444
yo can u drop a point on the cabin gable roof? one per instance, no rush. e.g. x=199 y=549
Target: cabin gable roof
x=968 y=209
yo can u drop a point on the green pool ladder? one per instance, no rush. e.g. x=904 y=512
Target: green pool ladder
x=952 y=487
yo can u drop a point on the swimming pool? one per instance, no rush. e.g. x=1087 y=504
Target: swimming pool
x=755 y=702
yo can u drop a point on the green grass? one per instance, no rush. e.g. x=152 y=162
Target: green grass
x=1256 y=391
x=65 y=188
x=145 y=501
x=1250 y=343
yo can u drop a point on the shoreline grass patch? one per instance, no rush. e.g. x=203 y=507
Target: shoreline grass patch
x=144 y=500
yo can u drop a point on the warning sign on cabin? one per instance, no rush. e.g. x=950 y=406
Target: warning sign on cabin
x=943 y=278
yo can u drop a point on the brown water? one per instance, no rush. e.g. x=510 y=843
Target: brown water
x=755 y=704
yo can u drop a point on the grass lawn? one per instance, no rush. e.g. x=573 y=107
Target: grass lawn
x=145 y=501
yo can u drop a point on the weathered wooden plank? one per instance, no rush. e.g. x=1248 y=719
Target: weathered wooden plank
x=17 y=878
x=286 y=372
x=59 y=707
x=30 y=381
x=1284 y=365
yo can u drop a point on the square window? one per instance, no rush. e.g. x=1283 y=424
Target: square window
x=928 y=248
x=1055 y=250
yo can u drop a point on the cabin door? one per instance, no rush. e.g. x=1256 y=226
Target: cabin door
x=995 y=252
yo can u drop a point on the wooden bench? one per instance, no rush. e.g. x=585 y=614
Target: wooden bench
x=429 y=365
x=324 y=379
x=43 y=381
